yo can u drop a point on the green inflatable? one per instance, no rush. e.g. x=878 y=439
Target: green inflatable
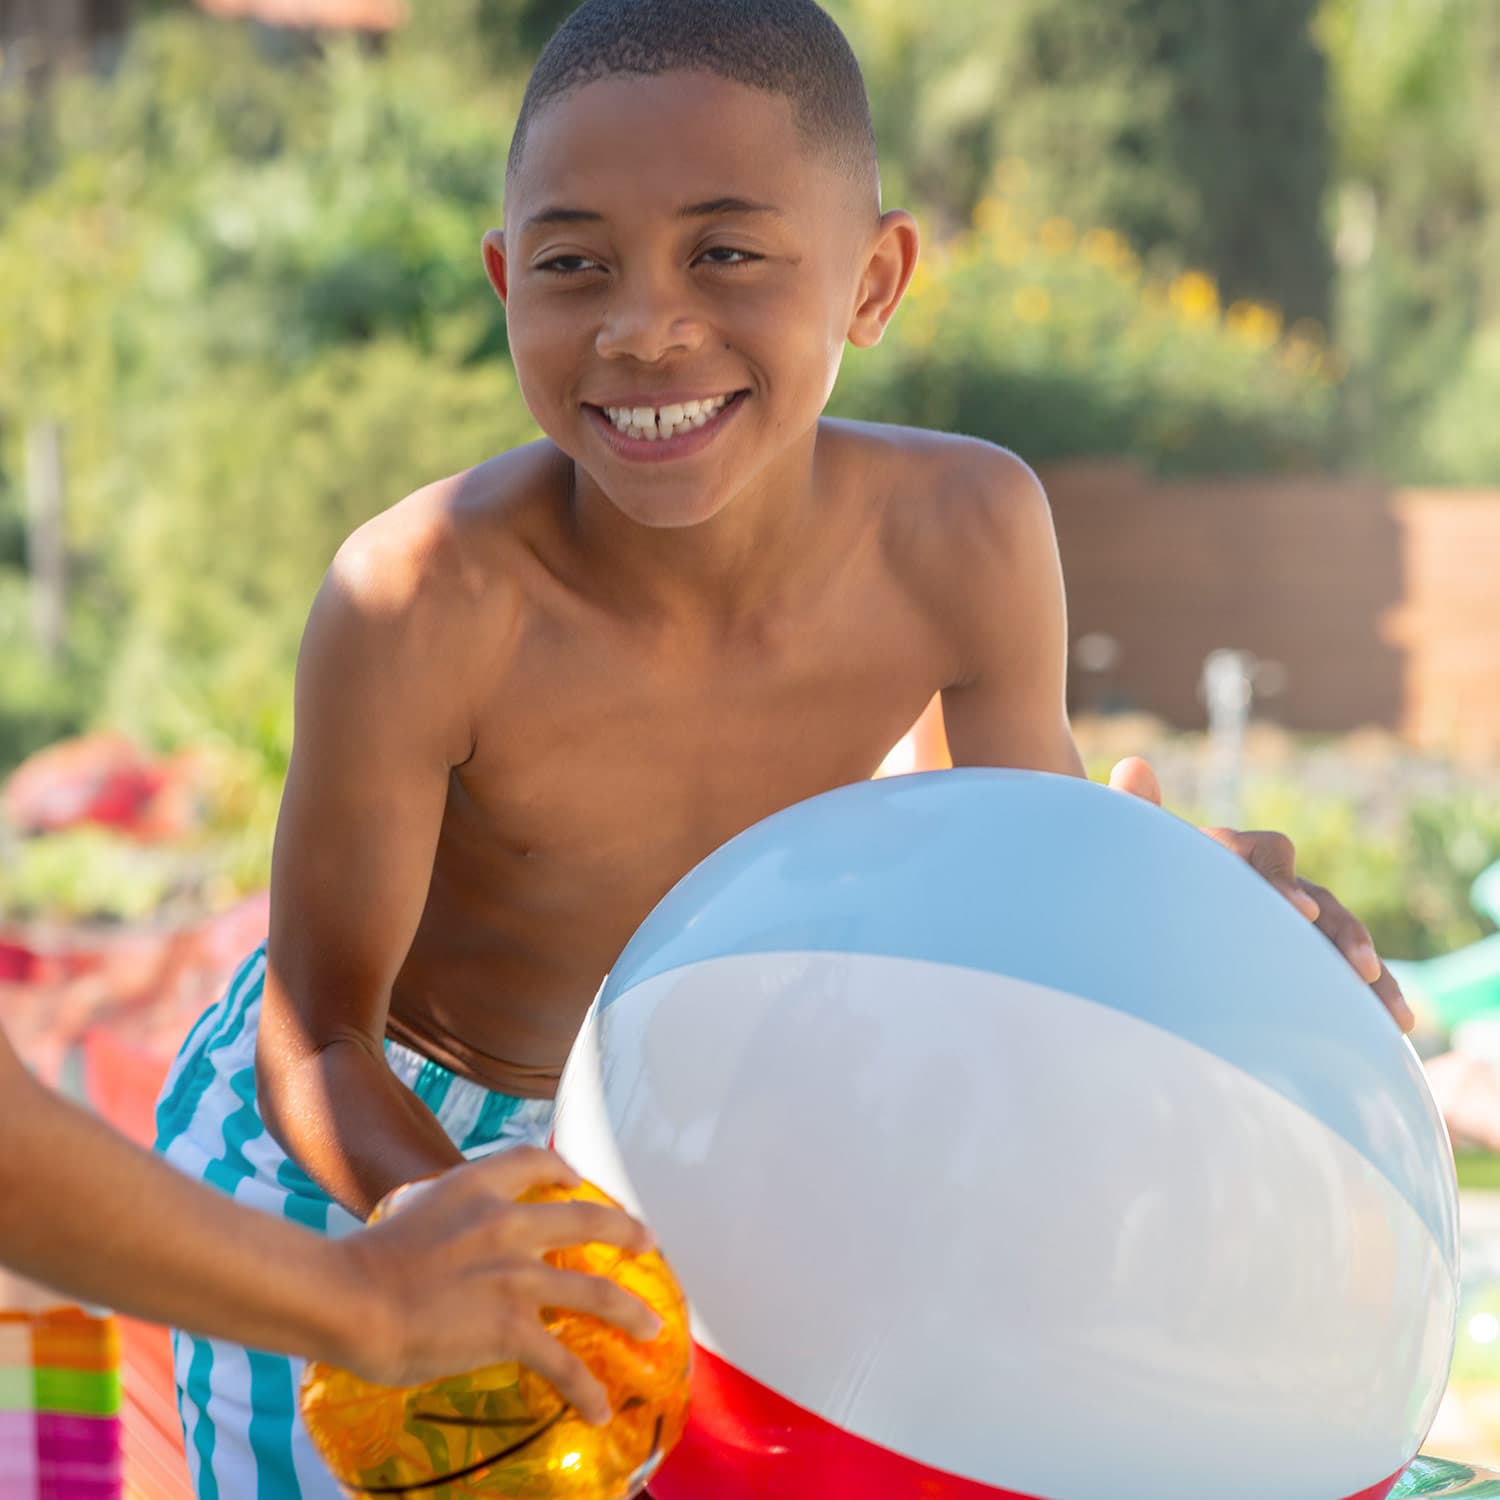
x=1436 y=1476
x=1455 y=987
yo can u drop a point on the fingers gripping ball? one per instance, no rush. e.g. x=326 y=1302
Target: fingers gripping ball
x=503 y=1430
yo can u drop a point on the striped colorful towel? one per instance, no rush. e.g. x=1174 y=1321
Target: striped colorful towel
x=59 y=1406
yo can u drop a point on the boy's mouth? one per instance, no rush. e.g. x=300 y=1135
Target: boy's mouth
x=670 y=430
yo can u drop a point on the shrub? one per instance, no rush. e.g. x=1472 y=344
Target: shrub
x=1053 y=341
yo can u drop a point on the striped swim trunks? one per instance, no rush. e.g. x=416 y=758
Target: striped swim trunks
x=239 y=1406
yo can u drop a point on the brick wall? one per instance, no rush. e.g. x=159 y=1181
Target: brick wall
x=1377 y=606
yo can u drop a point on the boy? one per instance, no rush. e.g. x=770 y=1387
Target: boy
x=531 y=697
x=104 y=1221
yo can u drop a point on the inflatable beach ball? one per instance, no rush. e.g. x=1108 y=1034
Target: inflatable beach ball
x=1012 y=1139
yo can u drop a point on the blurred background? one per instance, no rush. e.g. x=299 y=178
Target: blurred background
x=1228 y=274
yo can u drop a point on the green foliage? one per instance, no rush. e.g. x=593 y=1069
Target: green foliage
x=86 y=874
x=38 y=704
x=1409 y=880
x=250 y=292
x=1031 y=334
x=1196 y=128
x=1416 y=101
x=1460 y=440
x=508 y=33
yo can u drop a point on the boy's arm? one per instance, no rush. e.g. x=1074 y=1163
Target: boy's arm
x=381 y=719
x=1007 y=705
x=451 y=1283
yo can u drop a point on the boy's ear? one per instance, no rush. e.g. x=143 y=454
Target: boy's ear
x=495 y=263
x=892 y=259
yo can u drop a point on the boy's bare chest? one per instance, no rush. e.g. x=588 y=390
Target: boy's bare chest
x=602 y=774
x=607 y=764
x=613 y=759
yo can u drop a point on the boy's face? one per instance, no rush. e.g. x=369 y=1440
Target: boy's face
x=681 y=273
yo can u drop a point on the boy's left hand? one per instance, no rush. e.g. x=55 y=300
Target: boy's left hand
x=1272 y=855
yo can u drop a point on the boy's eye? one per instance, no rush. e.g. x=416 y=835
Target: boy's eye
x=566 y=265
x=727 y=255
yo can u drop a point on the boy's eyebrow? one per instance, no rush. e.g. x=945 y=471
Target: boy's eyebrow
x=714 y=206
x=705 y=210
x=564 y=216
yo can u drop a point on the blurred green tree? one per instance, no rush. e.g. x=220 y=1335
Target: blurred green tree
x=1197 y=128
x=1416 y=108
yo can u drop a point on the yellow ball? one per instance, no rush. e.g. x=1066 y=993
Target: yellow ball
x=504 y=1431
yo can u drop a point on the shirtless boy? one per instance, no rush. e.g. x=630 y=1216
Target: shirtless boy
x=532 y=696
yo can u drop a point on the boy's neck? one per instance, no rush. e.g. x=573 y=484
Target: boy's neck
x=735 y=565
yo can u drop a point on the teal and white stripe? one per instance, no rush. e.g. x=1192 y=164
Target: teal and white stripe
x=239 y=1406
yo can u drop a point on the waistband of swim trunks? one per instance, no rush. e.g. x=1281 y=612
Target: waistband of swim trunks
x=473 y=1116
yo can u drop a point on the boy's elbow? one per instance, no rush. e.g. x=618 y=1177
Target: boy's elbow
x=275 y=1091
x=296 y=1082
x=287 y=1087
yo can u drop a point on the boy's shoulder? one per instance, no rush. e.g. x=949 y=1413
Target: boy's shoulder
x=942 y=493
x=452 y=541
x=966 y=528
x=921 y=462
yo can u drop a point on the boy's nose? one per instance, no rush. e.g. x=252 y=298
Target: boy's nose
x=647 y=325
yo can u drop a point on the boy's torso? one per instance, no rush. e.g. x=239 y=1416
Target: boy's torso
x=612 y=752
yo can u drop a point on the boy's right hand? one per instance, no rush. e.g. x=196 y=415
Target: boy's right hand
x=454 y=1278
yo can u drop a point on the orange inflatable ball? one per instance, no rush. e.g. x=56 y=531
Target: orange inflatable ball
x=503 y=1431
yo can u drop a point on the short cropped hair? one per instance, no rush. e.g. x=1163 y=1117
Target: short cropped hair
x=789 y=47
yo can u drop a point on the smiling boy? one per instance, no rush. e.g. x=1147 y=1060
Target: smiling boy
x=532 y=696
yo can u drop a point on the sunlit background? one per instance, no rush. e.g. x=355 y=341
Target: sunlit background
x=1227 y=272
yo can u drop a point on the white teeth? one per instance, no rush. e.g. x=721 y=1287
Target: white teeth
x=652 y=425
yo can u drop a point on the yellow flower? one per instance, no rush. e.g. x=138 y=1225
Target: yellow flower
x=1105 y=248
x=1057 y=236
x=1009 y=247
x=990 y=214
x=1032 y=304
x=921 y=281
x=1195 y=297
x=1256 y=324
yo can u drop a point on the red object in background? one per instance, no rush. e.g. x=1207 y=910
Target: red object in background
x=100 y=778
x=155 y=1468
x=17 y=964
x=122 y=1080
x=355 y=15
